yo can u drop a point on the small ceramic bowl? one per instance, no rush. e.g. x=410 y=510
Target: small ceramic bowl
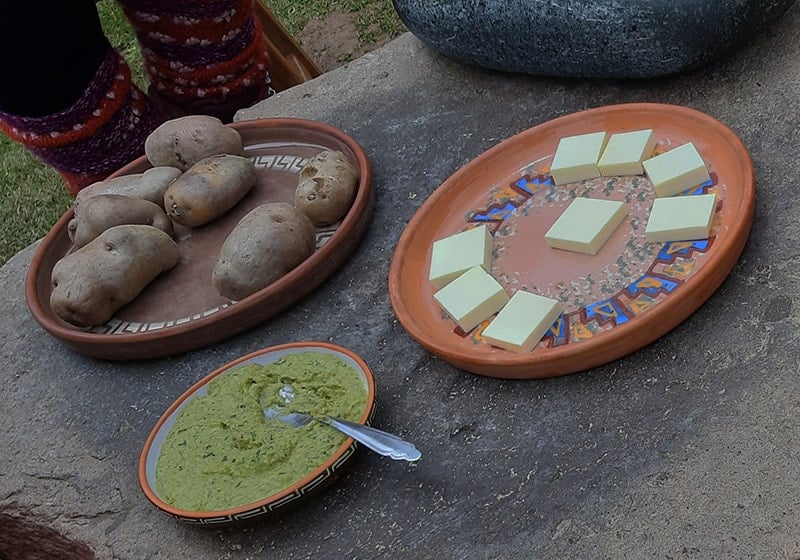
x=292 y=495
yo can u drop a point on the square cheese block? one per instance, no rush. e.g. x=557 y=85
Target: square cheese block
x=472 y=298
x=522 y=322
x=454 y=255
x=586 y=225
x=625 y=152
x=576 y=157
x=681 y=218
x=675 y=171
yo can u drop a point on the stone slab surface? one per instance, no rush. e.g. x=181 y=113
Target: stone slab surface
x=687 y=448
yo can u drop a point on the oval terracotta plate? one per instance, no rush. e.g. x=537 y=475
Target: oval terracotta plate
x=180 y=310
x=296 y=493
x=627 y=295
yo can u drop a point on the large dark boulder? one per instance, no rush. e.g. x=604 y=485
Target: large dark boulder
x=588 y=38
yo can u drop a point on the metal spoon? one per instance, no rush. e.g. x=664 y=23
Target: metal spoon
x=383 y=443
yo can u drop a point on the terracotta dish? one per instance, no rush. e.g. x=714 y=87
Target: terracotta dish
x=627 y=295
x=291 y=496
x=181 y=310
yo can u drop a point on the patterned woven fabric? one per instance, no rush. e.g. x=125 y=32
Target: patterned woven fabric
x=102 y=131
x=201 y=54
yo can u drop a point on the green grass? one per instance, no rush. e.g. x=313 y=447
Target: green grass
x=33 y=197
x=120 y=34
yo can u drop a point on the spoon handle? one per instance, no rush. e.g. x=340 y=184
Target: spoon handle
x=380 y=442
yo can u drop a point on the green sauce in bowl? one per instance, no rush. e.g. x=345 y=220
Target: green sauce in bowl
x=222 y=452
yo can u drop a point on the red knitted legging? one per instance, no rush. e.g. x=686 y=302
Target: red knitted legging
x=203 y=56
x=206 y=56
x=99 y=133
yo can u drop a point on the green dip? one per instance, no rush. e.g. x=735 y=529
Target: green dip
x=222 y=452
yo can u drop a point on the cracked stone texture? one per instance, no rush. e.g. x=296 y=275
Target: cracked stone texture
x=687 y=448
x=588 y=38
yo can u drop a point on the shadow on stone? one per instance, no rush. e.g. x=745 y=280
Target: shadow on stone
x=23 y=538
x=588 y=38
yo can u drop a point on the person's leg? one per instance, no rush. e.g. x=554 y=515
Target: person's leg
x=202 y=57
x=70 y=101
x=48 y=53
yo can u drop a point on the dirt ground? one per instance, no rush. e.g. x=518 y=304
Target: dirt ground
x=333 y=41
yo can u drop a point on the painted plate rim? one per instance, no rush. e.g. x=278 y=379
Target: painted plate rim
x=407 y=263
x=289 y=496
x=230 y=320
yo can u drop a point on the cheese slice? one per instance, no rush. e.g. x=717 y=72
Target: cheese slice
x=675 y=171
x=522 y=322
x=681 y=218
x=472 y=298
x=454 y=255
x=576 y=157
x=625 y=152
x=586 y=225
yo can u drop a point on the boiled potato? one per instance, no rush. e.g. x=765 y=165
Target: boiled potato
x=150 y=185
x=184 y=141
x=92 y=283
x=327 y=187
x=267 y=243
x=208 y=189
x=106 y=186
x=98 y=213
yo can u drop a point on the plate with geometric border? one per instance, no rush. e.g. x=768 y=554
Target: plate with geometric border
x=307 y=485
x=180 y=310
x=627 y=295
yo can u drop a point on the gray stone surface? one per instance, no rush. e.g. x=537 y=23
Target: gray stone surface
x=588 y=38
x=687 y=448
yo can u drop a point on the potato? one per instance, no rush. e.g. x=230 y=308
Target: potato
x=208 y=189
x=268 y=242
x=150 y=185
x=92 y=283
x=184 y=141
x=327 y=187
x=107 y=186
x=98 y=213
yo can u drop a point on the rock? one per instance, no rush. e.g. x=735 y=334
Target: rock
x=588 y=38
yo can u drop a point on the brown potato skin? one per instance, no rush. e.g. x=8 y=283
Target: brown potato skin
x=101 y=212
x=92 y=283
x=109 y=186
x=268 y=242
x=326 y=187
x=184 y=141
x=150 y=185
x=208 y=189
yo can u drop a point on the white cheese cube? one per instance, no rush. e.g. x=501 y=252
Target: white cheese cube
x=576 y=157
x=471 y=298
x=586 y=225
x=454 y=255
x=681 y=218
x=676 y=170
x=625 y=152
x=522 y=322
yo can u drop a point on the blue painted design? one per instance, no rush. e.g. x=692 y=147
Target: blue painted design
x=558 y=331
x=702 y=188
x=495 y=214
x=607 y=310
x=682 y=249
x=532 y=185
x=652 y=285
